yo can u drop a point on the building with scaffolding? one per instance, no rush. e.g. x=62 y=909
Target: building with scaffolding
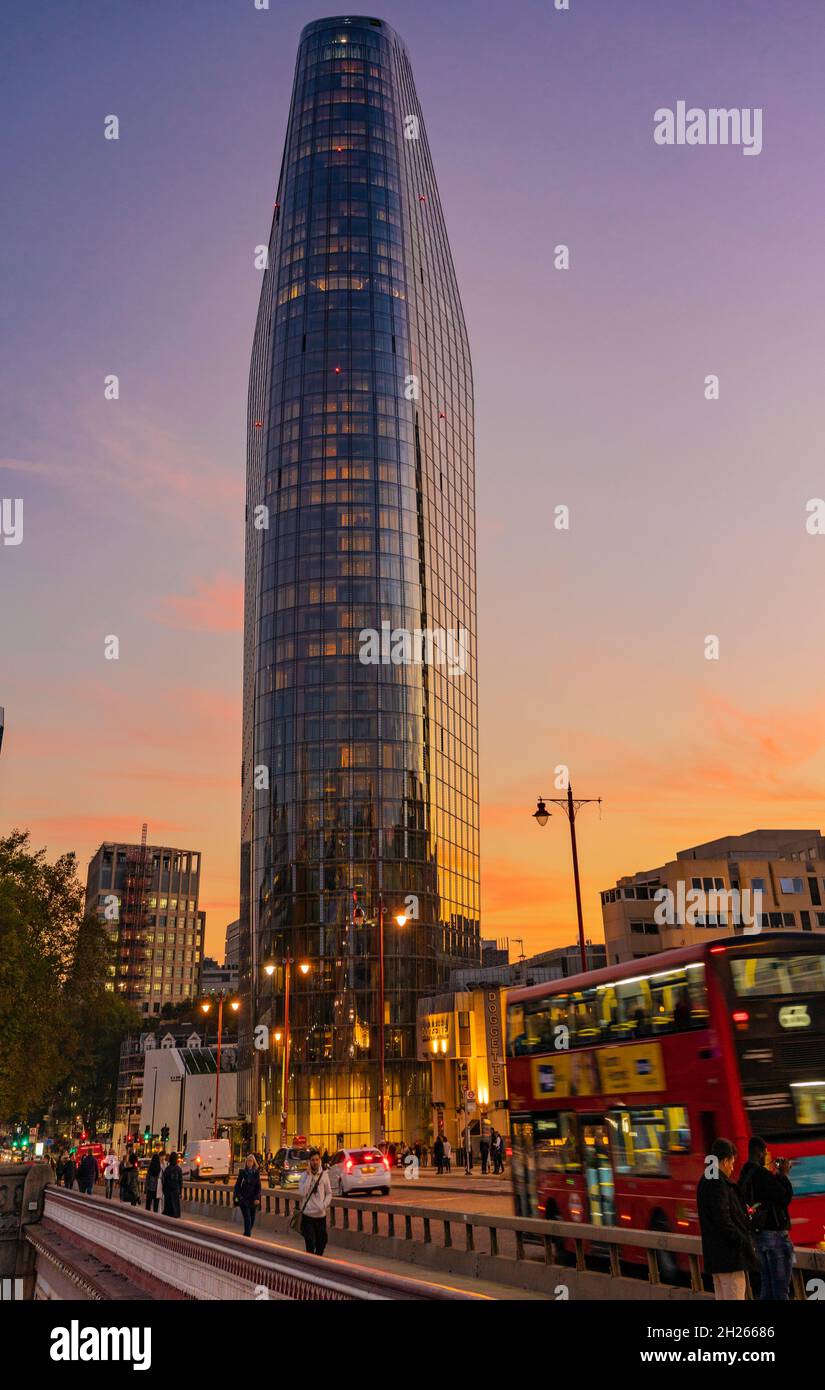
x=147 y=897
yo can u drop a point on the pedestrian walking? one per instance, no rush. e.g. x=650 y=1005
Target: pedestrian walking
x=484 y=1152
x=152 y=1184
x=69 y=1171
x=316 y=1196
x=438 y=1155
x=448 y=1153
x=247 y=1194
x=728 y=1250
x=87 y=1173
x=172 y=1186
x=59 y=1168
x=497 y=1151
x=129 y=1181
x=768 y=1193
x=111 y=1172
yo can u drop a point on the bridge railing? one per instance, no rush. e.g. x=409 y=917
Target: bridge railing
x=585 y=1248
x=183 y=1257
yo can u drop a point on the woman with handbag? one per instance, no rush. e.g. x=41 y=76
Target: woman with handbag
x=248 y=1193
x=316 y=1196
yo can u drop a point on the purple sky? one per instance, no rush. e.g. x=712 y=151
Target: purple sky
x=688 y=516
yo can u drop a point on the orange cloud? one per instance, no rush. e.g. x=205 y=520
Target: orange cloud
x=216 y=606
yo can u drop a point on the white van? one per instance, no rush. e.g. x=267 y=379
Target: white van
x=206 y=1159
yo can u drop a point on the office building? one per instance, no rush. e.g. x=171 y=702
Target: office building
x=360 y=778
x=767 y=880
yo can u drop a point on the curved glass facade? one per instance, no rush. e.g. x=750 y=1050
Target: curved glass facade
x=360 y=776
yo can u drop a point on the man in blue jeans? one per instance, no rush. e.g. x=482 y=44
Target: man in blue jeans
x=767 y=1190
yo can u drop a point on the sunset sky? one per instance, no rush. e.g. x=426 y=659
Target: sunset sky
x=688 y=516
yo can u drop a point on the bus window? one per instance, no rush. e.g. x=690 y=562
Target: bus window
x=809 y=1102
x=643 y=1139
x=755 y=975
x=678 y=1000
x=583 y=1019
x=634 y=1010
x=524 y=1168
x=554 y=1139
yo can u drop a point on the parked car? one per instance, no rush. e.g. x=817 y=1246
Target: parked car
x=359 y=1170
x=287 y=1166
x=206 y=1159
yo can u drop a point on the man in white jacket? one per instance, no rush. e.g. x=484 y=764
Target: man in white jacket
x=316 y=1195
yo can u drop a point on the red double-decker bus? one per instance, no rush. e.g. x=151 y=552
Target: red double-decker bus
x=620 y=1080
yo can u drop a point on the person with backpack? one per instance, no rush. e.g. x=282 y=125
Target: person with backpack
x=768 y=1193
x=728 y=1250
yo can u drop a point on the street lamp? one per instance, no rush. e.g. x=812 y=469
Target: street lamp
x=234 y=1005
x=571 y=808
x=270 y=968
x=359 y=918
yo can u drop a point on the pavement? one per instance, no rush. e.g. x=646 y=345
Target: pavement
x=340 y=1262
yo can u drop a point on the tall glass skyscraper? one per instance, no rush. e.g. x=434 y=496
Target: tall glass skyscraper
x=360 y=757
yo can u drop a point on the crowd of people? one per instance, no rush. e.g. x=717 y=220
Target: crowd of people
x=164 y=1179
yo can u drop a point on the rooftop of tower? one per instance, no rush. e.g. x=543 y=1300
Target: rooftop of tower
x=352 y=21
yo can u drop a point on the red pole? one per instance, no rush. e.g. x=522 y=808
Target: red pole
x=571 y=816
x=381 y=1016
x=285 y=1076
x=218 y=1065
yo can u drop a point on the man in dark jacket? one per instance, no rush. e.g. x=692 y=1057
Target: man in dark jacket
x=87 y=1173
x=727 y=1245
x=248 y=1193
x=69 y=1171
x=172 y=1184
x=768 y=1194
x=438 y=1154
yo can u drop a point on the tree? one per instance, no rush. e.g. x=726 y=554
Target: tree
x=61 y=1024
x=39 y=906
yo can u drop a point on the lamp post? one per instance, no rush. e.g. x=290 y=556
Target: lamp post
x=234 y=1005
x=359 y=917
x=270 y=968
x=571 y=809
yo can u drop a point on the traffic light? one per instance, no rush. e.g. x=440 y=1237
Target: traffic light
x=147 y=1134
x=164 y=1134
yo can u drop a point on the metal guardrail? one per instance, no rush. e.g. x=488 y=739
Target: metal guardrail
x=590 y=1246
x=173 y=1250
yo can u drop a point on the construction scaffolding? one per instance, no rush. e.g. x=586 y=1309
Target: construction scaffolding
x=132 y=948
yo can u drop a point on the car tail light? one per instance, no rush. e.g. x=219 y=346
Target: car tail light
x=741 y=1016
x=386 y=1162
x=349 y=1165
